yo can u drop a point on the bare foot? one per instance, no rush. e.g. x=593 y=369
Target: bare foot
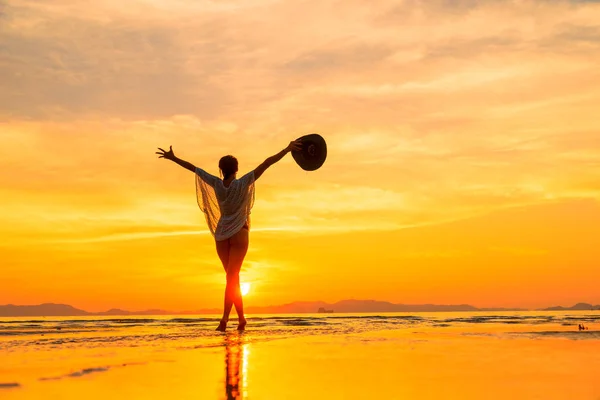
x=222 y=326
x=242 y=324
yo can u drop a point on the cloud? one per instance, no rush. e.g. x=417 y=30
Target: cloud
x=222 y=60
x=431 y=110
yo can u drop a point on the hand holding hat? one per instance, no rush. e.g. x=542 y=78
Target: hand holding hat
x=295 y=145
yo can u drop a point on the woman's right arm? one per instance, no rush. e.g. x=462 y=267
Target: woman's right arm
x=169 y=155
x=294 y=145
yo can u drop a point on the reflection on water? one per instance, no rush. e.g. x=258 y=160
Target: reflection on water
x=236 y=366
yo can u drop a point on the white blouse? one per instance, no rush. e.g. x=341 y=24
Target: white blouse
x=227 y=209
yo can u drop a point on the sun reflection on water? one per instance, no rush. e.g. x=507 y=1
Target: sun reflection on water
x=236 y=356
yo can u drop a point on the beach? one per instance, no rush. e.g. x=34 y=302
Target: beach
x=469 y=355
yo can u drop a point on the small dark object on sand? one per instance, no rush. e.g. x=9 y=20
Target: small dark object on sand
x=9 y=385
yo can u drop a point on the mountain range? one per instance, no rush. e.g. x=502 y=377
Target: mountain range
x=576 y=307
x=344 y=306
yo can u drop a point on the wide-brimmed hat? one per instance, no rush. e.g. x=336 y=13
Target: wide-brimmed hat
x=313 y=153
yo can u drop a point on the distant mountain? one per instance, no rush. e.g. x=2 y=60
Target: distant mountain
x=290 y=308
x=116 y=311
x=112 y=311
x=64 y=310
x=576 y=307
x=347 y=306
x=46 y=309
x=350 y=306
x=344 y=306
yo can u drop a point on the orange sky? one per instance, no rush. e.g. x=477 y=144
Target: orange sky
x=464 y=150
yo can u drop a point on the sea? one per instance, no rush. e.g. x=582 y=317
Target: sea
x=521 y=354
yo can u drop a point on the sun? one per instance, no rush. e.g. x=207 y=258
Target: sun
x=245 y=288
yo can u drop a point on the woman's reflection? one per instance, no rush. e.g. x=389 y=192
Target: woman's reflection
x=236 y=366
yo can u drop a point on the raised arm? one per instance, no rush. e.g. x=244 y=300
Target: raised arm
x=294 y=145
x=169 y=155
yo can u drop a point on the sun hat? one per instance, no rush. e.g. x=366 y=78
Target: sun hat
x=313 y=152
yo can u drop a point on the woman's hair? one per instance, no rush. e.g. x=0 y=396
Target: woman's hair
x=229 y=166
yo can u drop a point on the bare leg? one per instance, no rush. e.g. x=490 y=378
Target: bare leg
x=232 y=292
x=237 y=253
x=223 y=248
x=232 y=253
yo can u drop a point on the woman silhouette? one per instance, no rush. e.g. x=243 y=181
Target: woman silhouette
x=226 y=203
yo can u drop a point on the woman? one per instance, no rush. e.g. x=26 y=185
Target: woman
x=226 y=203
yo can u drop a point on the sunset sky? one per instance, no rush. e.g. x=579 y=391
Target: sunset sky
x=463 y=140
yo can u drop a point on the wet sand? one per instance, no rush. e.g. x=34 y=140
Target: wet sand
x=418 y=362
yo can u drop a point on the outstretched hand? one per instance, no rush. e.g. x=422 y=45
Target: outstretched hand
x=295 y=145
x=169 y=155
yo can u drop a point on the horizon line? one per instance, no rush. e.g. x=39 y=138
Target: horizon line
x=171 y=312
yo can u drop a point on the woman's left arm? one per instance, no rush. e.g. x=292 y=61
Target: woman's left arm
x=294 y=145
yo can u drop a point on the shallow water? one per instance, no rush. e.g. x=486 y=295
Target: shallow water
x=58 y=357
x=71 y=332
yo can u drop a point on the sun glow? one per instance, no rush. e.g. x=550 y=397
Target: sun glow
x=245 y=288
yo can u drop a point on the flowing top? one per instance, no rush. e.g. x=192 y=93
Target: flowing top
x=227 y=209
